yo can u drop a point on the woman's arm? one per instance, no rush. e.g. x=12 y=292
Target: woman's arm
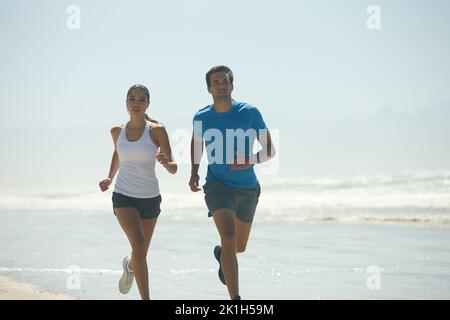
x=105 y=183
x=165 y=152
x=114 y=165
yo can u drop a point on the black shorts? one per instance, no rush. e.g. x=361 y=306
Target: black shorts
x=149 y=208
x=242 y=201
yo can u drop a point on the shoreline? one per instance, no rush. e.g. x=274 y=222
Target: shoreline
x=11 y=289
x=296 y=261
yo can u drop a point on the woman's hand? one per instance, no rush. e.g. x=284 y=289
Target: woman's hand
x=170 y=166
x=104 y=184
x=162 y=158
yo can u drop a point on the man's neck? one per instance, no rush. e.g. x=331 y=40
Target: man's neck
x=223 y=105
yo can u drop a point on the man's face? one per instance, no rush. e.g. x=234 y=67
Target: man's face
x=221 y=87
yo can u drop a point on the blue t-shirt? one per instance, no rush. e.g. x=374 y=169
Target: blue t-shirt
x=228 y=135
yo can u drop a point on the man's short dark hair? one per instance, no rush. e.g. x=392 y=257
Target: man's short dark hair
x=219 y=69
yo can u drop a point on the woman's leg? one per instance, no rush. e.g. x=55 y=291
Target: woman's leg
x=130 y=221
x=148 y=226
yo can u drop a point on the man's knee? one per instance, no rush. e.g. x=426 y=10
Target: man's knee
x=229 y=239
x=241 y=246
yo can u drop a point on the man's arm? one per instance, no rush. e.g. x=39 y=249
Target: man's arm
x=196 y=157
x=265 y=154
x=268 y=150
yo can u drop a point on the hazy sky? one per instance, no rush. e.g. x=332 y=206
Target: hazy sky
x=343 y=97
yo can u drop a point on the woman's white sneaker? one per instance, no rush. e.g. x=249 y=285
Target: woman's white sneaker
x=126 y=281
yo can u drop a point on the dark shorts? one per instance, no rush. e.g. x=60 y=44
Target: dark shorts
x=242 y=201
x=149 y=208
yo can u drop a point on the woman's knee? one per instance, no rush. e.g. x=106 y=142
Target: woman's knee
x=139 y=248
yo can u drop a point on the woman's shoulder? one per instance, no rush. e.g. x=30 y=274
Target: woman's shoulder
x=157 y=132
x=115 y=131
x=156 y=125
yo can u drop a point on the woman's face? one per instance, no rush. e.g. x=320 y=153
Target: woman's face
x=137 y=102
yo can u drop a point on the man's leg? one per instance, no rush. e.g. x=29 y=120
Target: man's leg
x=243 y=233
x=225 y=223
x=245 y=211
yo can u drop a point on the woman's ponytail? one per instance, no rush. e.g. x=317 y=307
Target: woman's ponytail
x=150 y=119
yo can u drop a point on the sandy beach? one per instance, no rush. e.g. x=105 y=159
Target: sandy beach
x=11 y=289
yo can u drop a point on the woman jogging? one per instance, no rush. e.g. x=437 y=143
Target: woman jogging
x=136 y=197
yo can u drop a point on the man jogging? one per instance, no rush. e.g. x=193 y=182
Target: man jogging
x=228 y=129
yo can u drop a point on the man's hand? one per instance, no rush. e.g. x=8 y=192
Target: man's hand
x=193 y=183
x=241 y=163
x=235 y=167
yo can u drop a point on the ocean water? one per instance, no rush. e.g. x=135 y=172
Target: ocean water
x=81 y=255
x=313 y=238
x=414 y=198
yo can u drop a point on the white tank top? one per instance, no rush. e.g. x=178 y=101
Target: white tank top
x=137 y=176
